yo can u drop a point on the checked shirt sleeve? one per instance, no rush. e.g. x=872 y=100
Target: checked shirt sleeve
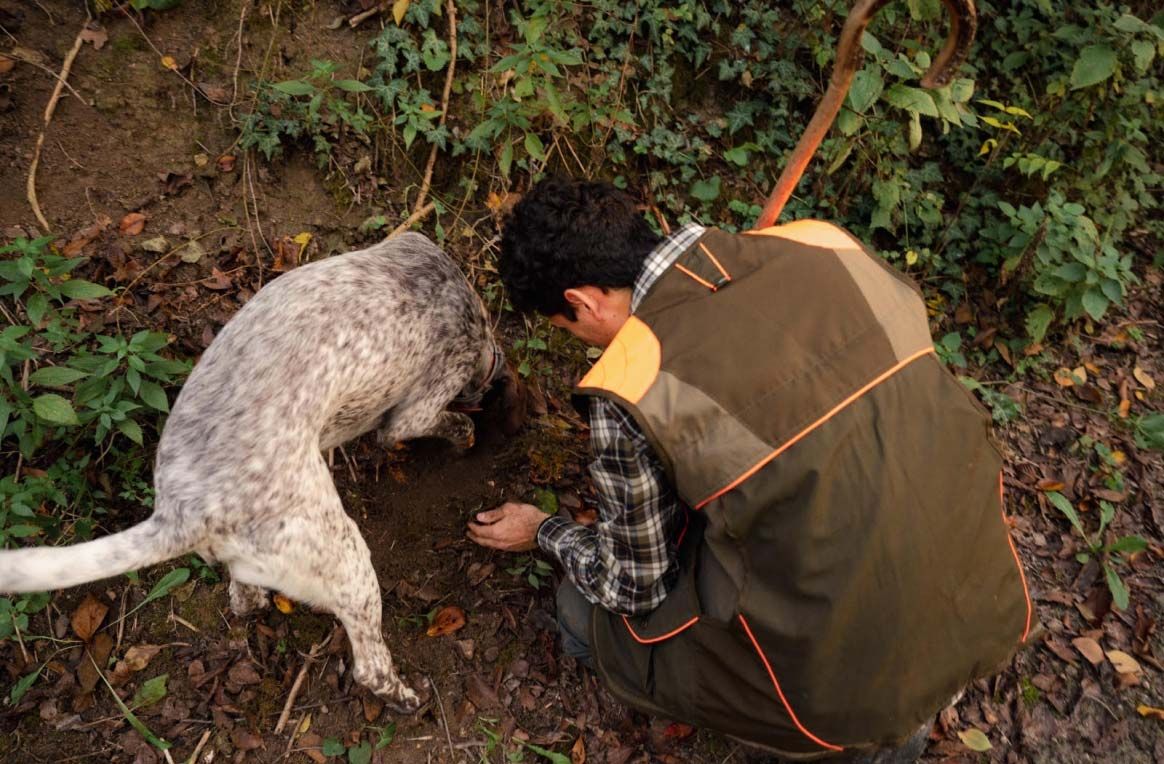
x=625 y=562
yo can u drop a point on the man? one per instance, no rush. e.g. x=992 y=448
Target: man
x=800 y=540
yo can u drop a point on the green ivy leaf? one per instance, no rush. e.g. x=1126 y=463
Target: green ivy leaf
x=53 y=408
x=866 y=89
x=1095 y=64
x=360 y=754
x=912 y=99
x=706 y=190
x=332 y=747
x=1038 y=320
x=1095 y=303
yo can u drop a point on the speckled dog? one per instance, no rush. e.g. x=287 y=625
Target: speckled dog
x=383 y=338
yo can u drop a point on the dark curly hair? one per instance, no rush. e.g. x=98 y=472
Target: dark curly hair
x=566 y=233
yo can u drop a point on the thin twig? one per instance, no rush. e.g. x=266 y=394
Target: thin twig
x=48 y=117
x=444 y=722
x=359 y=18
x=198 y=748
x=415 y=217
x=315 y=650
x=43 y=68
x=432 y=155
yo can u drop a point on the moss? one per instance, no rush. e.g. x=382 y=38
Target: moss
x=126 y=44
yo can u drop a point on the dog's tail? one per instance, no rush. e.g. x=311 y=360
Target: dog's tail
x=45 y=568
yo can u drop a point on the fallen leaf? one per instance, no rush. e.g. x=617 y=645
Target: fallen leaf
x=481 y=694
x=1063 y=377
x=1125 y=408
x=150 y=691
x=191 y=252
x=245 y=740
x=678 y=731
x=1150 y=712
x=975 y=739
x=226 y=163
x=1144 y=378
x=578 y=752
x=1080 y=375
x=168 y=62
x=85 y=235
x=97 y=652
x=399 y=8
x=243 y=673
x=284 y=605
x=214 y=93
x=218 y=280
x=1090 y=649
x=310 y=745
x=98 y=37
x=6 y=64
x=478 y=572
x=133 y=224
x=1124 y=663
x=1050 y=484
x=448 y=619
x=87 y=618
x=158 y=245
x=139 y=656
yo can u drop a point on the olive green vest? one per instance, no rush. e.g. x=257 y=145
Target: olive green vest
x=847 y=567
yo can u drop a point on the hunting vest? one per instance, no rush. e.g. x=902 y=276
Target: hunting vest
x=847 y=566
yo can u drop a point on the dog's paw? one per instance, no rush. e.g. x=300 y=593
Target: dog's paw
x=406 y=700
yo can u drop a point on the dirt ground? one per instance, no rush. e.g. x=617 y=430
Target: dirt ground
x=140 y=139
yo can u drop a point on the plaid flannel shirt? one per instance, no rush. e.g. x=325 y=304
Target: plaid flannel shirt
x=625 y=562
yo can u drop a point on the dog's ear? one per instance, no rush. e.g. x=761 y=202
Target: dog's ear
x=514 y=401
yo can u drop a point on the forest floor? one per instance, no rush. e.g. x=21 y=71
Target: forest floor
x=141 y=139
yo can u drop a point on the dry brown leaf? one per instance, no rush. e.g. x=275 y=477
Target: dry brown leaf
x=1144 y=378
x=226 y=163
x=1050 y=484
x=98 y=37
x=678 y=731
x=168 y=62
x=139 y=656
x=578 y=752
x=1125 y=408
x=1124 y=663
x=6 y=64
x=1063 y=377
x=448 y=619
x=284 y=605
x=88 y=616
x=1150 y=712
x=1090 y=649
x=132 y=224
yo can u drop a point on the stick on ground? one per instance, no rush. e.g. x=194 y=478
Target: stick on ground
x=62 y=79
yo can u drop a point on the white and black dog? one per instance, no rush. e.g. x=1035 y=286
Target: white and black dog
x=383 y=338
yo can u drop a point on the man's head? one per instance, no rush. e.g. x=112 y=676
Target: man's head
x=571 y=250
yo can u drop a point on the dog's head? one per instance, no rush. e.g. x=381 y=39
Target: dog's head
x=496 y=380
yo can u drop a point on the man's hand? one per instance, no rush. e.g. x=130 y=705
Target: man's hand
x=511 y=527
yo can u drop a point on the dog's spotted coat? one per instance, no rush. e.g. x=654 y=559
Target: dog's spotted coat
x=384 y=339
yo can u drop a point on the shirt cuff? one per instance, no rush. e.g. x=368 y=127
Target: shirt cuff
x=551 y=531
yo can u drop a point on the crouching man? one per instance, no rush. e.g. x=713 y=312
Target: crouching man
x=800 y=538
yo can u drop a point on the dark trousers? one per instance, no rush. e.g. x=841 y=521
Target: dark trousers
x=574 y=612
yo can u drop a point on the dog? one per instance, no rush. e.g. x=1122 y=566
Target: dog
x=384 y=338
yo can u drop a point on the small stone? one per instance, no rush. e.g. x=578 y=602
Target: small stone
x=192 y=252
x=466 y=647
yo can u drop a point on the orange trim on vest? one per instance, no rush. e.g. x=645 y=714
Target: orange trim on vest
x=816 y=233
x=796 y=438
x=697 y=279
x=780 y=693
x=714 y=262
x=652 y=640
x=1017 y=562
x=630 y=364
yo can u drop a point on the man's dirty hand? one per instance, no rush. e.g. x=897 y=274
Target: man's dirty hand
x=511 y=527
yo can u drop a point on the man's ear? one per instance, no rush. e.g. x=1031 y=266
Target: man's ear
x=582 y=299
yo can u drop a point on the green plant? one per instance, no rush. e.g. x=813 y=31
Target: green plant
x=315 y=106
x=534 y=570
x=1107 y=554
x=1149 y=431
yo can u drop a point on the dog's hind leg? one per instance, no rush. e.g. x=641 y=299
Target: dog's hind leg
x=317 y=556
